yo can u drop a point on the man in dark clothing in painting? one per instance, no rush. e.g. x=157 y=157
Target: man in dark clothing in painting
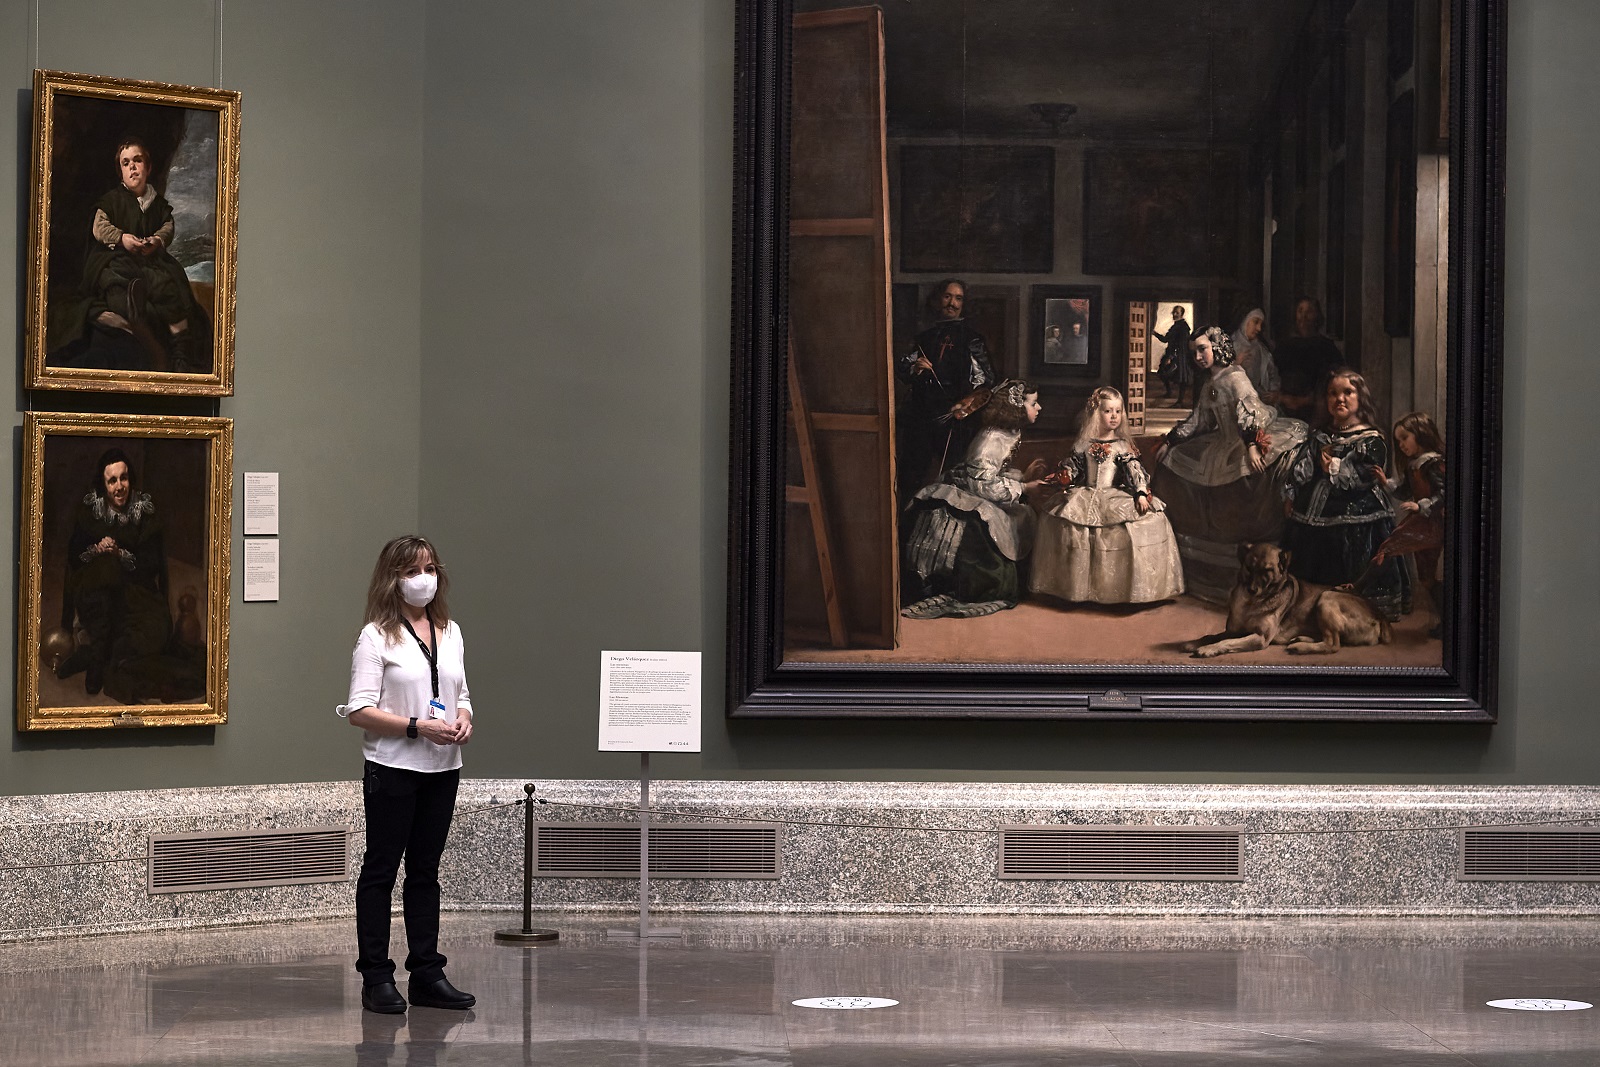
x=1304 y=362
x=947 y=363
x=116 y=591
x=1076 y=345
x=131 y=278
x=1176 y=367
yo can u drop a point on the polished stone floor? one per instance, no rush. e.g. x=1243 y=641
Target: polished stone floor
x=1006 y=992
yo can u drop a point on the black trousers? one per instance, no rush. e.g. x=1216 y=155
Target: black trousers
x=408 y=815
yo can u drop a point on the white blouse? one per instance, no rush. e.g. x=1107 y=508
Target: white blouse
x=394 y=677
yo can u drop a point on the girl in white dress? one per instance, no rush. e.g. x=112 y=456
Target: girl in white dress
x=1103 y=536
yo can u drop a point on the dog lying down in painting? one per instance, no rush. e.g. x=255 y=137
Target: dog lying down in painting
x=1269 y=606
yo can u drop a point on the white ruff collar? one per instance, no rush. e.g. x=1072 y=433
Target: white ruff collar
x=104 y=512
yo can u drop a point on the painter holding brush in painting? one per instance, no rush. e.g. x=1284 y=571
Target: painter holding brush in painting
x=948 y=362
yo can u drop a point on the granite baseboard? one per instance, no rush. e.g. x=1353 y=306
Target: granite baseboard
x=75 y=864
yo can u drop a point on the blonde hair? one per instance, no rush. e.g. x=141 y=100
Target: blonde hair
x=383 y=595
x=1090 y=416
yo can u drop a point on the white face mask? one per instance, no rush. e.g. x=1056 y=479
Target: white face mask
x=418 y=589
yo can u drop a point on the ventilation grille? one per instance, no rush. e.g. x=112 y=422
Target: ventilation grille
x=188 y=863
x=1122 y=853
x=677 y=850
x=1529 y=855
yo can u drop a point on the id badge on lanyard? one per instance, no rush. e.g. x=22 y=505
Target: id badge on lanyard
x=436 y=708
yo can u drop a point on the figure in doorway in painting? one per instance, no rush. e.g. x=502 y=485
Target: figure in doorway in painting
x=133 y=281
x=1102 y=537
x=969 y=529
x=947 y=364
x=1175 y=367
x=1340 y=513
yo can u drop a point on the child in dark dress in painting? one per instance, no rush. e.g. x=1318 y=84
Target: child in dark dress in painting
x=1340 y=512
x=969 y=529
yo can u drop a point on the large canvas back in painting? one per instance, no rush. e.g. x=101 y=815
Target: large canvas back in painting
x=840 y=517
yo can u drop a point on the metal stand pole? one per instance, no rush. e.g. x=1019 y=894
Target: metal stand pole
x=644 y=844
x=645 y=930
x=528 y=934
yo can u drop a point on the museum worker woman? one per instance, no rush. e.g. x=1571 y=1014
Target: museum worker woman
x=408 y=692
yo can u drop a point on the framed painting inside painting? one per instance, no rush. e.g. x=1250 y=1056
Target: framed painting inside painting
x=977 y=208
x=125 y=564
x=910 y=537
x=1067 y=323
x=133 y=236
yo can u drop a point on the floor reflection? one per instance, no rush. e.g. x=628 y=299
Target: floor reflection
x=980 y=991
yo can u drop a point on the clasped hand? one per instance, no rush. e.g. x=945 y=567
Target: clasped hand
x=141 y=246
x=446 y=731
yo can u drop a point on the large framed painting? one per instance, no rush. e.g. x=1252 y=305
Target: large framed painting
x=1167 y=211
x=983 y=207
x=1264 y=485
x=125 y=552
x=133 y=236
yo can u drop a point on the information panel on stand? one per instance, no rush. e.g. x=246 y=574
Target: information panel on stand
x=649 y=702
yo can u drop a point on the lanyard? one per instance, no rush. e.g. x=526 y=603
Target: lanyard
x=431 y=654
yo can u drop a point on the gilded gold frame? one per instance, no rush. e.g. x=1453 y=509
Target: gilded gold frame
x=218 y=525
x=48 y=86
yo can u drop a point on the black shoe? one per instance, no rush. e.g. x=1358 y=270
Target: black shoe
x=183 y=352
x=94 y=678
x=439 y=993
x=383 y=998
x=76 y=663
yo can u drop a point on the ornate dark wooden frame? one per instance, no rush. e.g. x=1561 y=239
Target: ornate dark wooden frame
x=760 y=684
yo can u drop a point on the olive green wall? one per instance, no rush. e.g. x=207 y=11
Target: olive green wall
x=483 y=287
x=328 y=356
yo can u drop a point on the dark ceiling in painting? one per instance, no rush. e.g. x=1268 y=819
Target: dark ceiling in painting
x=1161 y=70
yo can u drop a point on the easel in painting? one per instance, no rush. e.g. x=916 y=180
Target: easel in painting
x=809 y=494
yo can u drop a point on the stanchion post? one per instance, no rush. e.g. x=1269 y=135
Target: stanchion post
x=528 y=934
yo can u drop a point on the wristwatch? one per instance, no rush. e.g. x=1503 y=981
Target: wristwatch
x=411 y=730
